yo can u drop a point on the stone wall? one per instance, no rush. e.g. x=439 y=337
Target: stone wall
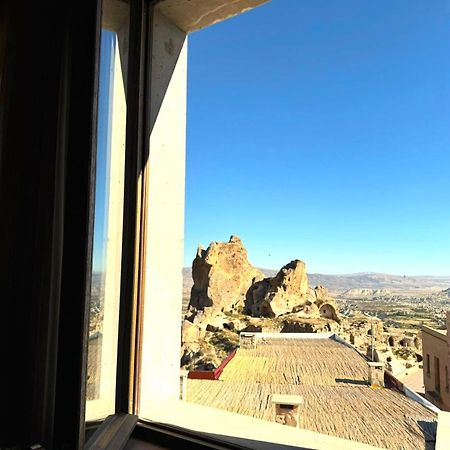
x=435 y=367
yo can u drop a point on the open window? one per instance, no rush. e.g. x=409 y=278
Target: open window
x=145 y=304
x=92 y=173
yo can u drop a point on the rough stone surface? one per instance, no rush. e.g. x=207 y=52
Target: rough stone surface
x=298 y=325
x=222 y=276
x=329 y=310
x=309 y=310
x=289 y=289
x=361 y=293
x=190 y=333
x=229 y=296
x=321 y=294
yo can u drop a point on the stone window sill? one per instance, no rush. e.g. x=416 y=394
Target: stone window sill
x=242 y=431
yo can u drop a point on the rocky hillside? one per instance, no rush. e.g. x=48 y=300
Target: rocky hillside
x=377 y=281
x=229 y=295
x=337 y=284
x=222 y=275
x=360 y=293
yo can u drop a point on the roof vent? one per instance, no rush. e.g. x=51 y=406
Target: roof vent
x=376 y=374
x=287 y=409
x=247 y=340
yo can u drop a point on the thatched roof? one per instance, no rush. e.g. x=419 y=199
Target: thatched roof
x=299 y=361
x=332 y=379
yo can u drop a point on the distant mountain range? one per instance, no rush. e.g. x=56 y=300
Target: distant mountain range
x=337 y=284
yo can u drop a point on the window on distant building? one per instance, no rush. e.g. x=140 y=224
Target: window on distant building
x=446 y=379
x=428 y=364
x=437 y=375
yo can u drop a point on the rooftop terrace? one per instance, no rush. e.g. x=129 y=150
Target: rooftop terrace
x=332 y=378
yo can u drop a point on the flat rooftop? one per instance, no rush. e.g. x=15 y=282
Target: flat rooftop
x=440 y=334
x=332 y=378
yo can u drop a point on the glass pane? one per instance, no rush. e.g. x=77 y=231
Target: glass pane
x=107 y=245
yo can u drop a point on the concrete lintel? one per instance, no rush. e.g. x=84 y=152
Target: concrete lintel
x=193 y=15
x=375 y=364
x=285 y=399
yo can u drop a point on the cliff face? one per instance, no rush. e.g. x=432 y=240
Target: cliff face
x=222 y=276
x=229 y=295
x=226 y=282
x=361 y=293
x=272 y=297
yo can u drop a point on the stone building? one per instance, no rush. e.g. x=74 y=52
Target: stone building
x=436 y=363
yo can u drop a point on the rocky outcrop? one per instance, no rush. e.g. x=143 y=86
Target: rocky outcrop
x=308 y=310
x=229 y=296
x=329 y=310
x=321 y=294
x=361 y=293
x=296 y=325
x=222 y=276
x=191 y=333
x=287 y=291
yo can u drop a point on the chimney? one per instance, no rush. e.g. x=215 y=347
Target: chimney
x=287 y=409
x=376 y=374
x=183 y=383
x=247 y=340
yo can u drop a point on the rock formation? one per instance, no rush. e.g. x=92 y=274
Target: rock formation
x=222 y=276
x=361 y=293
x=296 y=325
x=229 y=295
x=288 y=292
x=272 y=297
x=321 y=294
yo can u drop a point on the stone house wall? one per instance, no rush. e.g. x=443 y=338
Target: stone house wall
x=436 y=367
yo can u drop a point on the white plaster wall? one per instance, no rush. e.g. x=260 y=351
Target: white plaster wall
x=165 y=216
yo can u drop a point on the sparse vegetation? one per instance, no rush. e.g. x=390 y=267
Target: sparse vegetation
x=405 y=353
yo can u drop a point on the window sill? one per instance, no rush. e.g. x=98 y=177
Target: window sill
x=239 y=431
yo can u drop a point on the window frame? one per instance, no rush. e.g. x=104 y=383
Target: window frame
x=124 y=329
x=437 y=376
x=43 y=379
x=55 y=385
x=446 y=379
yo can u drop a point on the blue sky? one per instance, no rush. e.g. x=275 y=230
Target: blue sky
x=106 y=78
x=320 y=130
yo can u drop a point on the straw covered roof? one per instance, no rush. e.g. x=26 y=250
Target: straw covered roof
x=332 y=378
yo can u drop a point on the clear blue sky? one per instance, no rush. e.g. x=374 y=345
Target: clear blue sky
x=320 y=130
x=106 y=79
